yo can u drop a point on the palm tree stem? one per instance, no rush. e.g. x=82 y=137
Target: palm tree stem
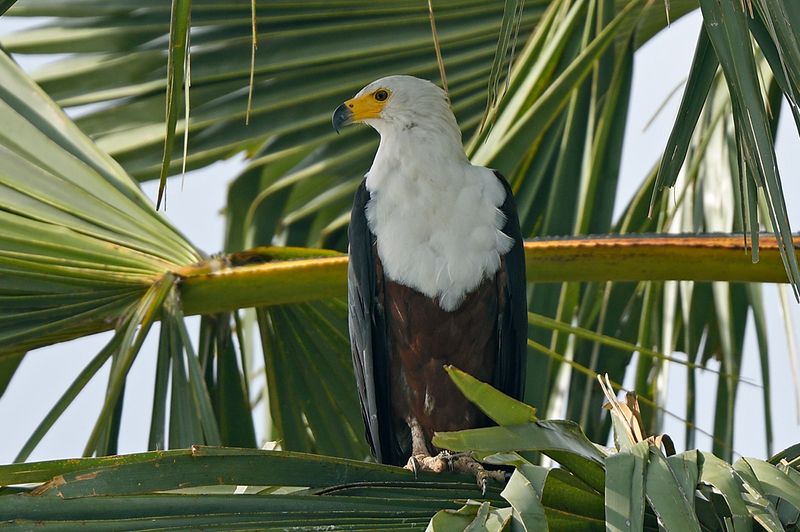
x=252 y=279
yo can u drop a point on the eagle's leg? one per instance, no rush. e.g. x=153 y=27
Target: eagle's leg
x=421 y=458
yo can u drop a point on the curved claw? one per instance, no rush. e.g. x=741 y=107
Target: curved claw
x=465 y=463
x=482 y=478
x=413 y=465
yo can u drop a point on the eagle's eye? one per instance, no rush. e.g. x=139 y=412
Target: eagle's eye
x=381 y=95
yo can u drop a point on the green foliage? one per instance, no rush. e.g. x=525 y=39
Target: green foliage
x=633 y=488
x=307 y=351
x=726 y=28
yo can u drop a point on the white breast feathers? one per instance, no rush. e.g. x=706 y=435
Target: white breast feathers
x=438 y=227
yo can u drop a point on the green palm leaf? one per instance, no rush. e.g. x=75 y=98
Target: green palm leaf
x=195 y=487
x=81 y=242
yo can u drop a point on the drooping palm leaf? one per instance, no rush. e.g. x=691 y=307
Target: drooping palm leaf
x=725 y=41
x=337 y=47
x=80 y=241
x=82 y=250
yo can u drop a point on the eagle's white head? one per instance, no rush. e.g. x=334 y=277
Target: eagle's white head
x=401 y=104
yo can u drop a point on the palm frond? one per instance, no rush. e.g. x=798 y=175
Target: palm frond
x=636 y=483
x=80 y=242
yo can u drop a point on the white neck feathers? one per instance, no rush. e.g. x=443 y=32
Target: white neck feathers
x=436 y=217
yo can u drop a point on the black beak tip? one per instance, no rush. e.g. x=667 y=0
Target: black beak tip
x=342 y=116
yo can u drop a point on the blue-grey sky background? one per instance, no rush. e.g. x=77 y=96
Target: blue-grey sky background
x=660 y=66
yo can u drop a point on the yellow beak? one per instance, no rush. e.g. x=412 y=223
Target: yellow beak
x=357 y=109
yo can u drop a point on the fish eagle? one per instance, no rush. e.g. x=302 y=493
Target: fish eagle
x=436 y=274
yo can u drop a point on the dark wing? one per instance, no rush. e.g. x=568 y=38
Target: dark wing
x=512 y=320
x=368 y=330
